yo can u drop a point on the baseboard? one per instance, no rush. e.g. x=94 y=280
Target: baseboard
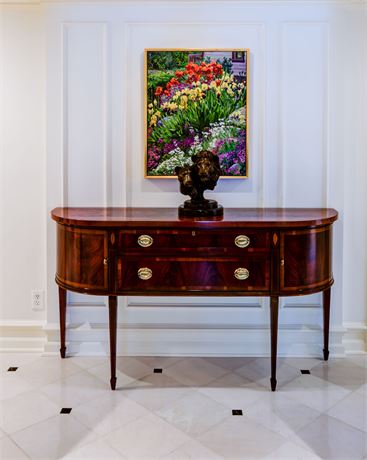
x=191 y=340
x=355 y=338
x=22 y=336
x=181 y=340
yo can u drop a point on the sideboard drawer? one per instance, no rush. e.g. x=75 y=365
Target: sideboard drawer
x=150 y=241
x=175 y=274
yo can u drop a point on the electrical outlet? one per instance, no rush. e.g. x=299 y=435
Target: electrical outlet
x=37 y=300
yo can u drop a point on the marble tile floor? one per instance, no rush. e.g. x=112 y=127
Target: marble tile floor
x=182 y=408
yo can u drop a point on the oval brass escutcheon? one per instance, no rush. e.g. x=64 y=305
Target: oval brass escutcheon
x=241 y=273
x=145 y=241
x=242 y=241
x=145 y=273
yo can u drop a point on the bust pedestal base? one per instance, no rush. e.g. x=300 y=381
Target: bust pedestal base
x=206 y=208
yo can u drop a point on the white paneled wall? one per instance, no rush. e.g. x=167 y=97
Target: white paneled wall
x=307 y=141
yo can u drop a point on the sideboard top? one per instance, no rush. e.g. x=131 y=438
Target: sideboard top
x=166 y=217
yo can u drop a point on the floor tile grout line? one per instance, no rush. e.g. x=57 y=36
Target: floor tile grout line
x=155 y=412
x=89 y=430
x=347 y=423
x=212 y=426
x=167 y=456
x=74 y=406
x=13 y=440
x=105 y=436
x=36 y=387
x=48 y=418
x=305 y=426
x=342 y=399
x=321 y=415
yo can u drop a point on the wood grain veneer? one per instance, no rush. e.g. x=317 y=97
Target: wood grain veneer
x=288 y=252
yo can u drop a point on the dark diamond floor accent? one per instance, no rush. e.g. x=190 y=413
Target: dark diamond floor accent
x=158 y=371
x=65 y=410
x=305 y=371
x=237 y=412
x=12 y=369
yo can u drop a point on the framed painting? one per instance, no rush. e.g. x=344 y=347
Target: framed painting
x=196 y=99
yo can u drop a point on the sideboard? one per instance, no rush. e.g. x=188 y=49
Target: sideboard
x=151 y=251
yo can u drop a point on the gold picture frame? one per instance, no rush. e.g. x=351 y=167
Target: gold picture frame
x=227 y=58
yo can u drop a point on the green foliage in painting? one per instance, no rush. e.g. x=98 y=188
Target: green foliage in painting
x=168 y=60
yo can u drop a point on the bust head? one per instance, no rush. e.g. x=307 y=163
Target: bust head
x=184 y=176
x=206 y=169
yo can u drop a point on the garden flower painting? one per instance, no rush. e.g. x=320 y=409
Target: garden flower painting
x=196 y=100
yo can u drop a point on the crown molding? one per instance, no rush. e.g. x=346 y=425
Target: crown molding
x=185 y=2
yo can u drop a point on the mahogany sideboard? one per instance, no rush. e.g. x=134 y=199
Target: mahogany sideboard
x=151 y=251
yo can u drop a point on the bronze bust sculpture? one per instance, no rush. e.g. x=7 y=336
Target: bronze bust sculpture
x=202 y=175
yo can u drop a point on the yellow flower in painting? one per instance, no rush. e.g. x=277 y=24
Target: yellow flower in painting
x=183 y=103
x=172 y=106
x=184 y=100
x=153 y=121
x=155 y=102
x=176 y=95
x=150 y=105
x=204 y=86
x=230 y=92
x=169 y=106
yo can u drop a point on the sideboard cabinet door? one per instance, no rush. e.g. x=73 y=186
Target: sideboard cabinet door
x=82 y=262
x=305 y=260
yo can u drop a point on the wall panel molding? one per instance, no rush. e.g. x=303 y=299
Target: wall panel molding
x=251 y=192
x=84 y=58
x=304 y=74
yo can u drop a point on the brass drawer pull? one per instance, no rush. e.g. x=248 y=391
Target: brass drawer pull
x=241 y=273
x=242 y=241
x=145 y=241
x=145 y=273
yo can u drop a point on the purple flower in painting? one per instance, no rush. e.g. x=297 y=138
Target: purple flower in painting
x=234 y=169
x=153 y=157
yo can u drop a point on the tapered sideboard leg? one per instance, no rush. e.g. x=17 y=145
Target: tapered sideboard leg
x=274 y=308
x=112 y=308
x=326 y=310
x=62 y=310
